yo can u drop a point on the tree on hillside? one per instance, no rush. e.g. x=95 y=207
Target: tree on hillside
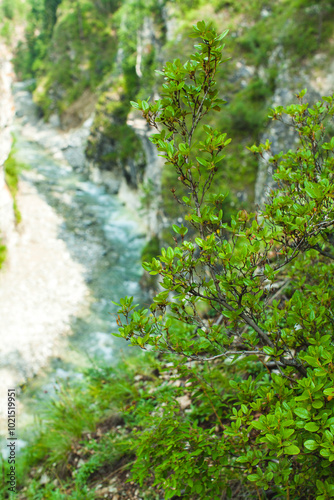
x=246 y=314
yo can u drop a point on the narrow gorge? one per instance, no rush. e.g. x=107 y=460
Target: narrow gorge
x=62 y=269
x=200 y=393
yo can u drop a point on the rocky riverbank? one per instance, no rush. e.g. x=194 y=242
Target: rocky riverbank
x=70 y=254
x=41 y=287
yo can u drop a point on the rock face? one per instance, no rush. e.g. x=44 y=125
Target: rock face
x=7 y=220
x=67 y=145
x=114 y=150
x=145 y=41
x=288 y=83
x=153 y=171
x=117 y=150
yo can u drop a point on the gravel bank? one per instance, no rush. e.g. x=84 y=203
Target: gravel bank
x=41 y=287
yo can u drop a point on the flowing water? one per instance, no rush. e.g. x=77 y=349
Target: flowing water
x=102 y=235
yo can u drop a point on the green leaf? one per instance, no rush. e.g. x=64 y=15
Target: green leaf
x=312 y=427
x=223 y=35
x=292 y=450
x=258 y=425
x=311 y=445
x=312 y=361
x=253 y=477
x=233 y=265
x=146 y=266
x=244 y=409
x=203 y=162
x=302 y=413
x=170 y=253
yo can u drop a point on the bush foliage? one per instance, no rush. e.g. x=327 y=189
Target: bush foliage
x=246 y=311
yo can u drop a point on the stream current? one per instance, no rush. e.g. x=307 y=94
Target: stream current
x=103 y=236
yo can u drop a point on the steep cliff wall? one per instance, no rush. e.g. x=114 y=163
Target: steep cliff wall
x=115 y=148
x=317 y=76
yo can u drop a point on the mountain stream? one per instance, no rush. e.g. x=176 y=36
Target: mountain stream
x=105 y=239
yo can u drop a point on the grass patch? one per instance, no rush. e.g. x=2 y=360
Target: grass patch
x=84 y=434
x=3 y=253
x=13 y=169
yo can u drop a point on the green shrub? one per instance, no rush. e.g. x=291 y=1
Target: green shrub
x=266 y=276
x=13 y=168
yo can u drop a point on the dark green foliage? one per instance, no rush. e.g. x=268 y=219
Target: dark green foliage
x=84 y=51
x=79 y=53
x=71 y=46
x=252 y=291
x=113 y=143
x=266 y=276
x=50 y=15
x=300 y=26
x=69 y=55
x=8 y=9
x=151 y=249
x=30 y=54
x=106 y=452
x=107 y=6
x=247 y=112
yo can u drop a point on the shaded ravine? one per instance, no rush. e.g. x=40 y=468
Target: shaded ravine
x=100 y=235
x=106 y=240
